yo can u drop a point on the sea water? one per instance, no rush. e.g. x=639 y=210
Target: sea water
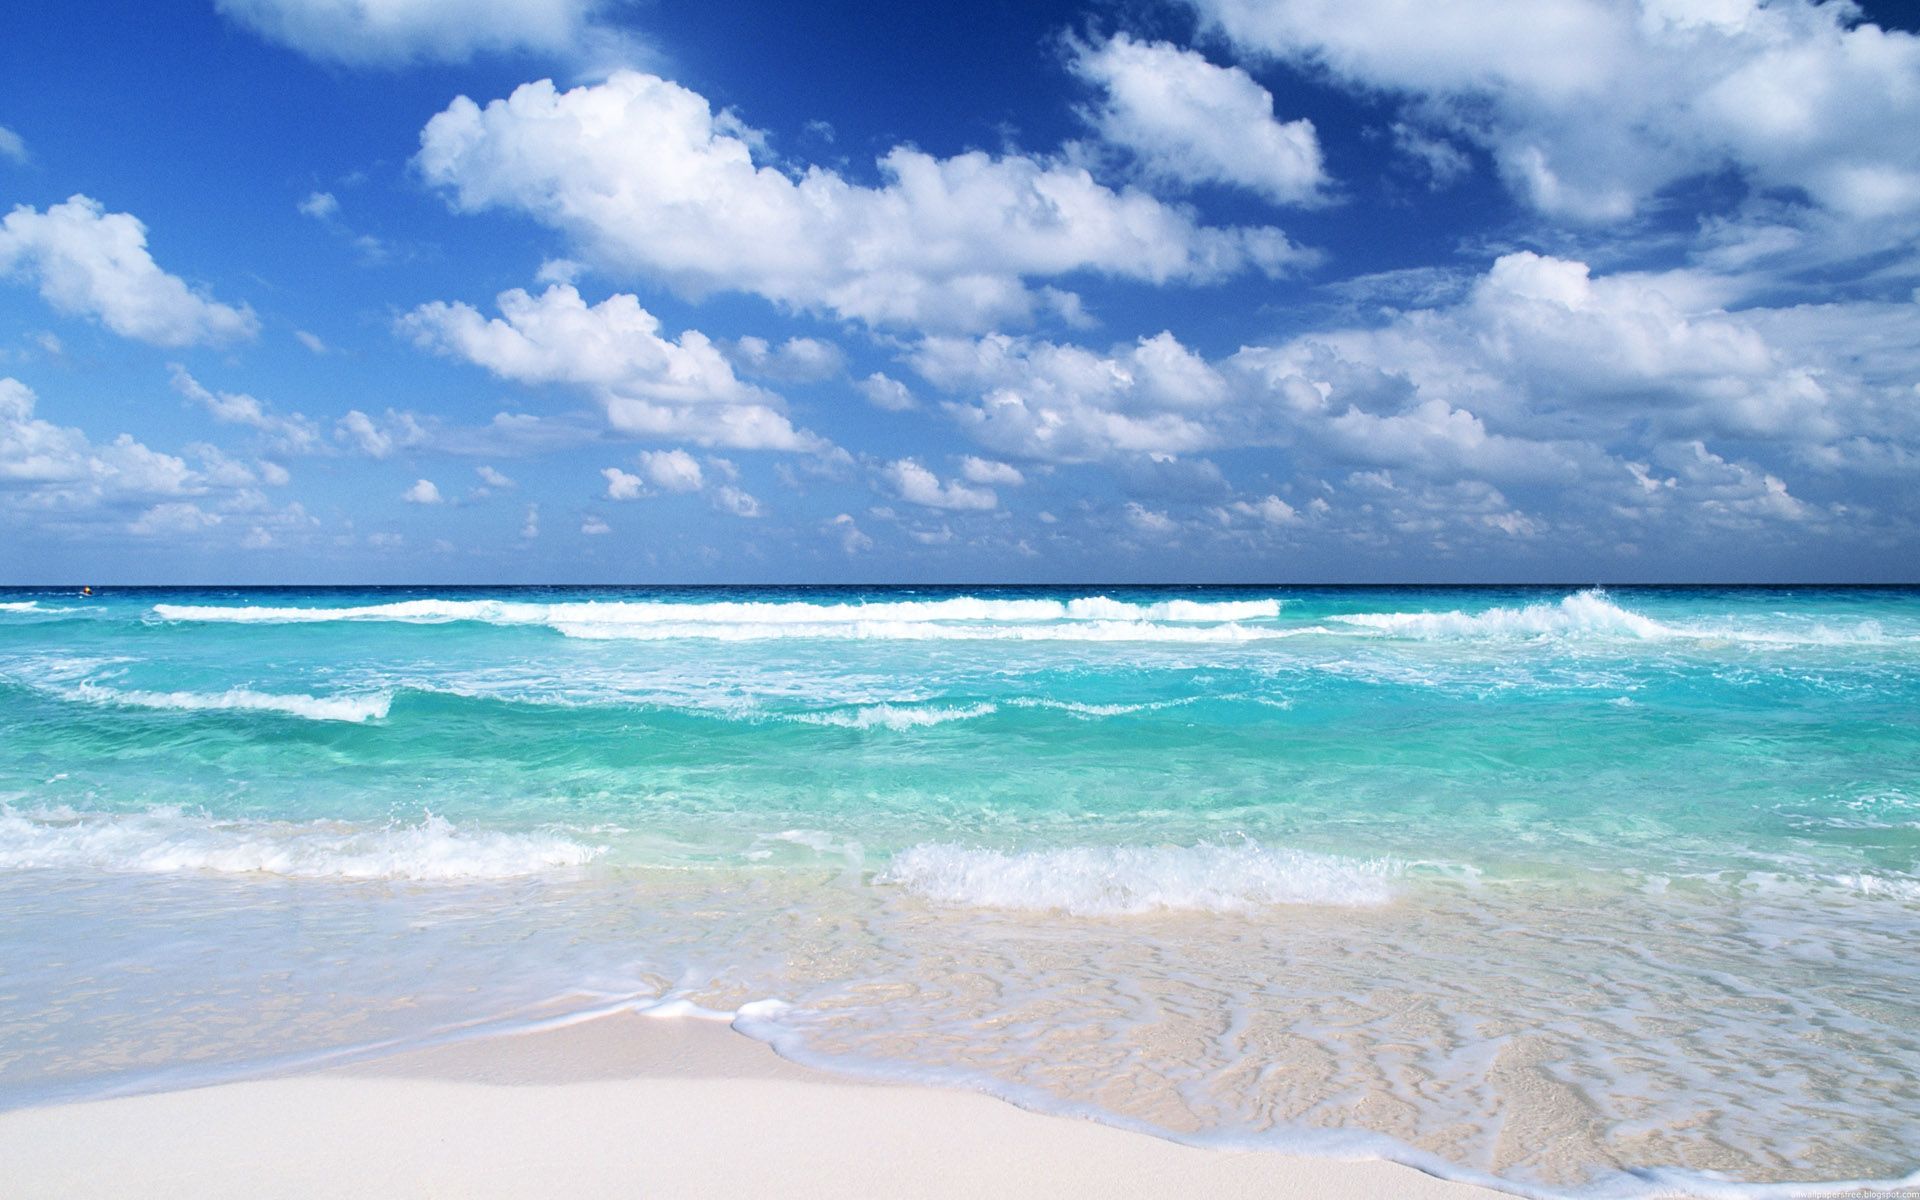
x=1566 y=890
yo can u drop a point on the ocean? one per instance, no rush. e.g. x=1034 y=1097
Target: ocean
x=1571 y=891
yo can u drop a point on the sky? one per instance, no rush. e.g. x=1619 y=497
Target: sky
x=519 y=291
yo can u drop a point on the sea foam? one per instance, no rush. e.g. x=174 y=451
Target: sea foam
x=1094 y=881
x=894 y=716
x=169 y=841
x=1090 y=618
x=1589 y=612
x=356 y=709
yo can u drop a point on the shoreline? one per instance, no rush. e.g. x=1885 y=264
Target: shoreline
x=628 y=1105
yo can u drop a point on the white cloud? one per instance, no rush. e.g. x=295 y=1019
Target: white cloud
x=885 y=392
x=310 y=341
x=492 y=477
x=390 y=32
x=672 y=470
x=917 y=485
x=530 y=524
x=90 y=262
x=1148 y=520
x=319 y=206
x=730 y=499
x=594 y=526
x=12 y=145
x=648 y=181
x=852 y=540
x=986 y=471
x=797 y=360
x=293 y=434
x=423 y=491
x=1590 y=108
x=60 y=466
x=1268 y=510
x=1040 y=399
x=1188 y=120
x=623 y=485
x=378 y=439
x=650 y=385
x=173 y=519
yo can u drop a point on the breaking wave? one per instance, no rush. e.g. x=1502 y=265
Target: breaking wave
x=1086 y=618
x=1588 y=612
x=1098 y=881
x=356 y=709
x=893 y=716
x=170 y=841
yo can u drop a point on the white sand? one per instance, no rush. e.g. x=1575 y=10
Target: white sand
x=625 y=1106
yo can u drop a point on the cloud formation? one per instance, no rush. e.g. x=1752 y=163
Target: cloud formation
x=1591 y=107
x=1187 y=120
x=651 y=386
x=392 y=32
x=649 y=182
x=89 y=262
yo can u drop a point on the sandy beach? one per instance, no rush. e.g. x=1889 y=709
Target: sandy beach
x=625 y=1106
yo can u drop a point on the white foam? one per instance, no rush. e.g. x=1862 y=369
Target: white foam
x=1588 y=612
x=1124 y=880
x=171 y=841
x=357 y=709
x=893 y=716
x=1072 y=631
x=30 y=606
x=1098 y=618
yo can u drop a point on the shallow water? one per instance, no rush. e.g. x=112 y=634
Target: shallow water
x=1569 y=888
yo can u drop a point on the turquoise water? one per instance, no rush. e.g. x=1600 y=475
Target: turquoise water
x=1562 y=888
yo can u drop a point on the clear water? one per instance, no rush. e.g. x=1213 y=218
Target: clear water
x=1568 y=890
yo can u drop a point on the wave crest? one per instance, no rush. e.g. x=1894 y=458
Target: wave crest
x=893 y=716
x=170 y=841
x=1098 y=881
x=355 y=709
x=1085 y=618
x=1589 y=612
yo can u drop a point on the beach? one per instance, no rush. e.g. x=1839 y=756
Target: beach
x=626 y=1106
x=1564 y=892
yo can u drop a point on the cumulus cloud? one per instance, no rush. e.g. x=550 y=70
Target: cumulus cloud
x=1040 y=399
x=917 y=485
x=647 y=180
x=492 y=477
x=1591 y=108
x=423 y=491
x=12 y=145
x=66 y=479
x=594 y=526
x=649 y=384
x=987 y=471
x=174 y=519
x=847 y=530
x=1566 y=387
x=730 y=499
x=391 y=32
x=885 y=392
x=672 y=470
x=90 y=262
x=623 y=485
x=293 y=434
x=319 y=206
x=1267 y=510
x=1190 y=121
x=65 y=465
x=796 y=360
x=378 y=438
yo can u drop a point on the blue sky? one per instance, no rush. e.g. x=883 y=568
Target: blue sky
x=1205 y=290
